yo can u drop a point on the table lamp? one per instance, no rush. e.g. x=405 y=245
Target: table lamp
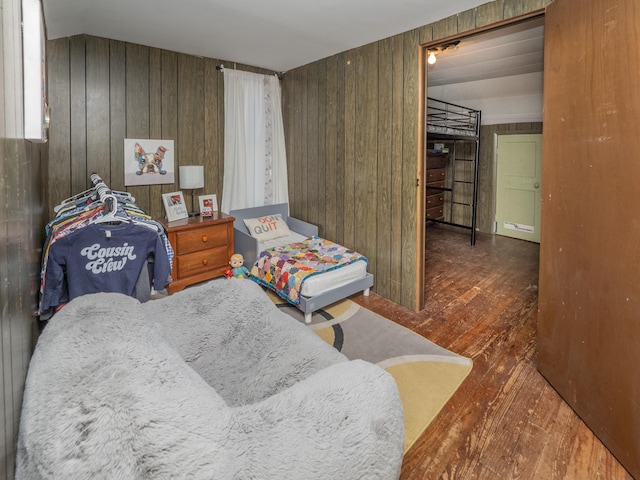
x=191 y=178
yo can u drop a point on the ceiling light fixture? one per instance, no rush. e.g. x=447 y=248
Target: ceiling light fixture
x=452 y=44
x=431 y=58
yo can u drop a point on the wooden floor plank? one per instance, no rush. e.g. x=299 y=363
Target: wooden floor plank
x=530 y=450
x=505 y=421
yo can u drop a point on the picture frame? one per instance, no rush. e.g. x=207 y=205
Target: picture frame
x=208 y=204
x=148 y=161
x=174 y=206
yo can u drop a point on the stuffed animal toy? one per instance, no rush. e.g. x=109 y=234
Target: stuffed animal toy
x=238 y=270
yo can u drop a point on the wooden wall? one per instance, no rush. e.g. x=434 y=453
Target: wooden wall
x=103 y=91
x=21 y=172
x=349 y=170
x=351 y=123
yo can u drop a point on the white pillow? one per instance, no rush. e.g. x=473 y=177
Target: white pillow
x=268 y=227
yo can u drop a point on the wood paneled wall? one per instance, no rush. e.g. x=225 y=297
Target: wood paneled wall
x=103 y=91
x=348 y=166
x=21 y=173
x=351 y=123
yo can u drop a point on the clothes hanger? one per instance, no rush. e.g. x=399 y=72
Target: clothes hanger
x=115 y=214
x=112 y=214
x=150 y=226
x=75 y=200
x=123 y=197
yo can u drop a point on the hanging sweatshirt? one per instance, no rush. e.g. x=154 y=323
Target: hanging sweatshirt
x=103 y=258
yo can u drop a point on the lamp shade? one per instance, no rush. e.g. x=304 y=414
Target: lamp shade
x=192 y=177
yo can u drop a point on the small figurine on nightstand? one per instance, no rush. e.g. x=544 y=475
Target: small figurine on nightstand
x=238 y=270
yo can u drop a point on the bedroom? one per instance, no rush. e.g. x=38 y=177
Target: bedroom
x=360 y=224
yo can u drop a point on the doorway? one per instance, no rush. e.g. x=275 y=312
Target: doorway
x=499 y=72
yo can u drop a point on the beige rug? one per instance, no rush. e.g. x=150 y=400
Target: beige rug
x=427 y=375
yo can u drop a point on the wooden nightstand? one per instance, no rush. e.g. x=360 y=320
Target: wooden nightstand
x=202 y=248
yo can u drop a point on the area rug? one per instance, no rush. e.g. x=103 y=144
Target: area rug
x=427 y=374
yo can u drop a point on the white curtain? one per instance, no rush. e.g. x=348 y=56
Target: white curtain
x=255 y=162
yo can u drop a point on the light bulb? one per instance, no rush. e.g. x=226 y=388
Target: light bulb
x=432 y=58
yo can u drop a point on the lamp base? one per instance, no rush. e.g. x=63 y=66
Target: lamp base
x=193 y=212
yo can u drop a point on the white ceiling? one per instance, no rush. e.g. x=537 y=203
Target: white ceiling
x=512 y=50
x=499 y=72
x=274 y=34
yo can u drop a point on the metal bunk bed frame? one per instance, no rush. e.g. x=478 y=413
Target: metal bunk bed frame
x=450 y=122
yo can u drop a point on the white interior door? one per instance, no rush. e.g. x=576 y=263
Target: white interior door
x=519 y=179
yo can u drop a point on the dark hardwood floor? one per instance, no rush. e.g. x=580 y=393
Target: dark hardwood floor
x=505 y=421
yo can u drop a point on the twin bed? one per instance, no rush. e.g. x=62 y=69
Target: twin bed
x=286 y=255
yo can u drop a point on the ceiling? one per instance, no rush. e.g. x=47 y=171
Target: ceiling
x=505 y=52
x=512 y=50
x=499 y=72
x=278 y=34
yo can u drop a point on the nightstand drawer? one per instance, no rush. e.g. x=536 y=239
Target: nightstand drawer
x=201 y=239
x=203 y=261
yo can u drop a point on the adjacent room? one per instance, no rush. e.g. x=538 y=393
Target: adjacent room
x=318 y=241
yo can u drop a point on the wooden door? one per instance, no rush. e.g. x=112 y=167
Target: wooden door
x=518 y=202
x=589 y=295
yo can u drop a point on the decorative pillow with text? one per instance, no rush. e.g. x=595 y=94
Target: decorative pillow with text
x=267 y=228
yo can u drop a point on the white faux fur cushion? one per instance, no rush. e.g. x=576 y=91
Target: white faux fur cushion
x=110 y=394
x=238 y=341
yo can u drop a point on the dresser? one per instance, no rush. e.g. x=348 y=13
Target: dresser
x=202 y=247
x=436 y=174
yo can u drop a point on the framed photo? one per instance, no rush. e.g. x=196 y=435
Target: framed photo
x=208 y=205
x=148 y=162
x=174 y=206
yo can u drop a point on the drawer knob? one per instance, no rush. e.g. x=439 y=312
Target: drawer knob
x=205 y=239
x=205 y=261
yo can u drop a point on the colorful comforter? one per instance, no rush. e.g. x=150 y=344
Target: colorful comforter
x=284 y=269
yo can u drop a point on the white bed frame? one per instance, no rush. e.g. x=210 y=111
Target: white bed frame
x=247 y=245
